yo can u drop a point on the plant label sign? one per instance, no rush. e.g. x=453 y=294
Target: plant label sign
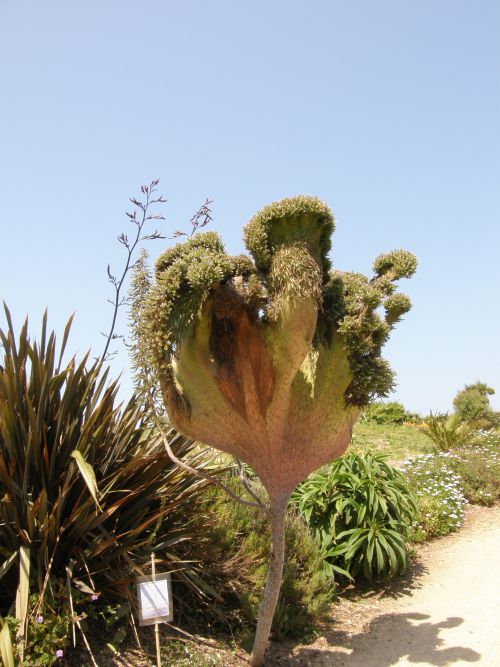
x=154 y=594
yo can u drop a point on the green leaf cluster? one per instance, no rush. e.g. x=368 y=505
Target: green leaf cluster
x=292 y=221
x=359 y=509
x=47 y=633
x=185 y=274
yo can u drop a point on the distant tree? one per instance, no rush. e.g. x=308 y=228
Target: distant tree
x=472 y=403
x=271 y=359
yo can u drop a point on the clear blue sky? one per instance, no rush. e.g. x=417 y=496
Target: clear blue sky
x=388 y=110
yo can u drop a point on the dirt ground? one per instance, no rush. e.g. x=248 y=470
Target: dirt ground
x=446 y=613
x=443 y=612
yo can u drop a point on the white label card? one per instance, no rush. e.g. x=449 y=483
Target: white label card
x=155 y=599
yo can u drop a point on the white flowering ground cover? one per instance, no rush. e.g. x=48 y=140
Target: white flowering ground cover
x=488 y=444
x=479 y=467
x=445 y=482
x=441 y=501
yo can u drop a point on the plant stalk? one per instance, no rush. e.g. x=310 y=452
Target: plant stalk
x=273 y=584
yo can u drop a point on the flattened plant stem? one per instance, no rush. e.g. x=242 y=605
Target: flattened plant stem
x=257 y=505
x=213 y=480
x=273 y=584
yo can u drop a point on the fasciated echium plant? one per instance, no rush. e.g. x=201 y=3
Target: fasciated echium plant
x=271 y=357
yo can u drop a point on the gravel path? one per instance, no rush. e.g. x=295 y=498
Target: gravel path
x=448 y=616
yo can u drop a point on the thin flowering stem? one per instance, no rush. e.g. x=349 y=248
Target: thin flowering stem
x=130 y=245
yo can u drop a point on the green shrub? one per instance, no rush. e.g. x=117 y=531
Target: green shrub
x=92 y=522
x=359 y=510
x=47 y=633
x=440 y=499
x=473 y=405
x=388 y=413
x=234 y=556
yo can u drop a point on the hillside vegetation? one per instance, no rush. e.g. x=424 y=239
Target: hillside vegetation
x=397 y=442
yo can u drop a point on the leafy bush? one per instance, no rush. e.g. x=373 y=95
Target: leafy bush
x=234 y=557
x=440 y=498
x=359 y=510
x=388 y=413
x=86 y=522
x=445 y=482
x=473 y=405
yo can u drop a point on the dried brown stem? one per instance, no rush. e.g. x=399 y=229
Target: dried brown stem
x=245 y=482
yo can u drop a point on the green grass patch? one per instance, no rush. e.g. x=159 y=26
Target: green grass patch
x=396 y=442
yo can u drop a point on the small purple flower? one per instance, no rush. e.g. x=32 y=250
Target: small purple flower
x=59 y=653
x=39 y=618
x=94 y=598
